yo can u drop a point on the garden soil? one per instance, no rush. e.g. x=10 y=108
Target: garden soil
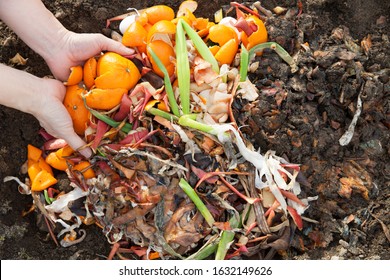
x=343 y=54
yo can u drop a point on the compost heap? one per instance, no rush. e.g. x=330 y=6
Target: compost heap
x=172 y=176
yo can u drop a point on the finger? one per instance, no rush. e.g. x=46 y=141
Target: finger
x=78 y=144
x=114 y=46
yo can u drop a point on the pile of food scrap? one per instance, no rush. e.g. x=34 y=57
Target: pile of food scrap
x=172 y=176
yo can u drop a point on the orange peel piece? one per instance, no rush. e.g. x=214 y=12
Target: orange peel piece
x=89 y=72
x=57 y=159
x=161 y=27
x=33 y=153
x=227 y=52
x=42 y=181
x=159 y=12
x=116 y=71
x=221 y=34
x=58 y=163
x=35 y=162
x=85 y=168
x=74 y=103
x=76 y=75
x=104 y=99
x=135 y=36
x=164 y=52
x=259 y=36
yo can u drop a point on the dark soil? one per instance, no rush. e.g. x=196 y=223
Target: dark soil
x=299 y=115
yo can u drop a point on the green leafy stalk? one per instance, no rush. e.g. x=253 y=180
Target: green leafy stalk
x=198 y=203
x=207 y=249
x=278 y=49
x=126 y=128
x=201 y=46
x=163 y=114
x=188 y=121
x=167 y=82
x=244 y=62
x=183 y=68
x=227 y=237
x=48 y=199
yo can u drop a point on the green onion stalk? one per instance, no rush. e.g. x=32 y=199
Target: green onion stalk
x=227 y=237
x=183 y=68
x=167 y=82
x=197 y=201
x=201 y=46
x=278 y=49
x=126 y=128
x=244 y=62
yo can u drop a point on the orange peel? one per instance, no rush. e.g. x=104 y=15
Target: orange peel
x=104 y=99
x=85 y=168
x=57 y=159
x=33 y=153
x=221 y=34
x=161 y=27
x=75 y=76
x=89 y=72
x=42 y=181
x=116 y=71
x=164 y=52
x=227 y=52
x=259 y=36
x=74 y=103
x=135 y=36
x=159 y=12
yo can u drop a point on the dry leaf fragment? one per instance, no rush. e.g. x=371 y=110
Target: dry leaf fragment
x=18 y=60
x=366 y=44
x=384 y=227
x=356 y=178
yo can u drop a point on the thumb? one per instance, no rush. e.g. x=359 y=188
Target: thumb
x=114 y=46
x=78 y=144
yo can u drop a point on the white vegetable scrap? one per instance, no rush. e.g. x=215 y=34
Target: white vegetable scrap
x=248 y=90
x=23 y=188
x=60 y=208
x=267 y=166
x=347 y=136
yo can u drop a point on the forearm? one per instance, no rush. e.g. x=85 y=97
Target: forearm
x=19 y=90
x=34 y=24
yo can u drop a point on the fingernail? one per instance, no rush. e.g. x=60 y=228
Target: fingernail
x=87 y=152
x=129 y=51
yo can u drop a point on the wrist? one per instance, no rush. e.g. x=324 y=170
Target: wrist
x=20 y=90
x=53 y=47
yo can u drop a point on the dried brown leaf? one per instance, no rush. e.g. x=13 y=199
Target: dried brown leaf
x=18 y=60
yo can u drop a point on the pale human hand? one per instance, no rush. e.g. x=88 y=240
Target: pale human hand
x=76 y=48
x=53 y=116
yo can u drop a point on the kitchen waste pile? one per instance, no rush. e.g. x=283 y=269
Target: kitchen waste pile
x=171 y=176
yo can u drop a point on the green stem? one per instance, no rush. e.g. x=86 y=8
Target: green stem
x=189 y=122
x=183 y=68
x=48 y=199
x=201 y=46
x=278 y=49
x=126 y=128
x=197 y=201
x=163 y=114
x=227 y=237
x=244 y=61
x=204 y=252
x=167 y=82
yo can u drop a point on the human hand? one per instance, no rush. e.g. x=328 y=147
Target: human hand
x=53 y=116
x=76 y=48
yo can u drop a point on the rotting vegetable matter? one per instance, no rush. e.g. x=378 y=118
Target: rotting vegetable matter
x=172 y=175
